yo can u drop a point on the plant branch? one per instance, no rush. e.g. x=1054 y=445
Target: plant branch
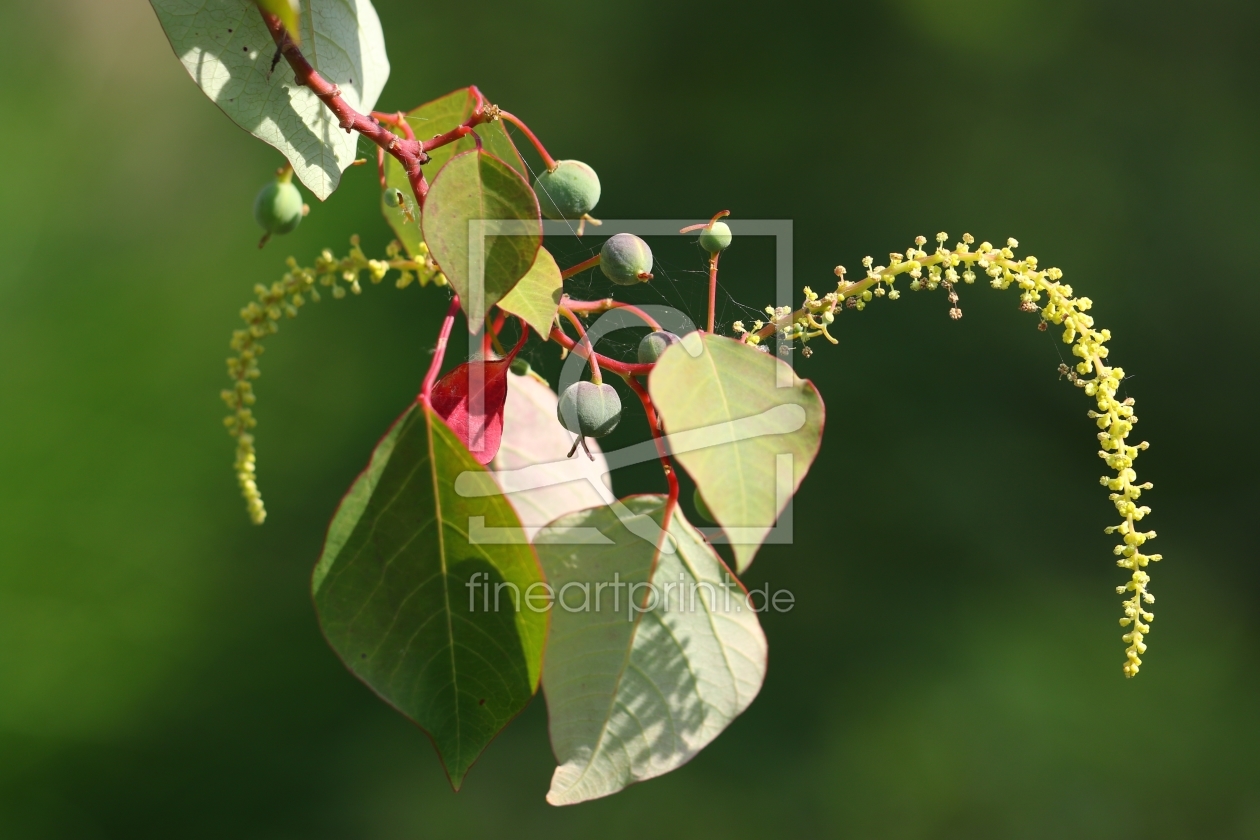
x=590 y=354
x=580 y=267
x=622 y=368
x=408 y=152
x=548 y=160
x=439 y=352
x=398 y=120
x=713 y=268
x=654 y=424
x=605 y=305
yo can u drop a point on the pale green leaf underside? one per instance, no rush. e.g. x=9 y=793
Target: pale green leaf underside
x=227 y=50
x=429 y=120
x=391 y=593
x=534 y=439
x=746 y=483
x=631 y=700
x=536 y=298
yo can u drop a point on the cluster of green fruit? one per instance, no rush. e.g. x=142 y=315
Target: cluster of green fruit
x=570 y=191
x=593 y=409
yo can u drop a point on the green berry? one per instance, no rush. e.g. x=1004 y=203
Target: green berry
x=701 y=508
x=624 y=258
x=520 y=367
x=278 y=207
x=569 y=191
x=715 y=238
x=588 y=409
x=393 y=197
x=654 y=344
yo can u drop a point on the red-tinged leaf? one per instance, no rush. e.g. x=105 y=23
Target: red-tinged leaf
x=471 y=398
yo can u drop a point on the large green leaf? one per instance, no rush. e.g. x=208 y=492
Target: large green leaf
x=227 y=50
x=536 y=298
x=632 y=695
x=712 y=383
x=429 y=120
x=473 y=188
x=392 y=592
x=532 y=465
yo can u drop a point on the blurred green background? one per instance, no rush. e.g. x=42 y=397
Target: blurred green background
x=952 y=669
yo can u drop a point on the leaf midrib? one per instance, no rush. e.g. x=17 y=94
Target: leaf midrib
x=446 y=588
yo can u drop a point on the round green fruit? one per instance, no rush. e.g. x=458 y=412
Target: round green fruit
x=588 y=409
x=626 y=259
x=393 y=197
x=569 y=191
x=716 y=237
x=520 y=367
x=654 y=344
x=701 y=508
x=278 y=207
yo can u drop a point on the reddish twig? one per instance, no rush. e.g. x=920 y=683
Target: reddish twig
x=623 y=368
x=654 y=424
x=411 y=153
x=706 y=225
x=408 y=152
x=439 y=352
x=397 y=119
x=457 y=133
x=607 y=304
x=590 y=354
x=580 y=267
x=713 y=261
x=548 y=160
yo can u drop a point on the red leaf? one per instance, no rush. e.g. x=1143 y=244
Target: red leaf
x=475 y=417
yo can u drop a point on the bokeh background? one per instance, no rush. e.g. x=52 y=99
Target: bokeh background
x=952 y=669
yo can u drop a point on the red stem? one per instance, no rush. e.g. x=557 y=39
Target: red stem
x=408 y=152
x=655 y=425
x=380 y=166
x=397 y=119
x=589 y=353
x=623 y=368
x=606 y=304
x=548 y=160
x=580 y=267
x=456 y=133
x=439 y=352
x=713 y=261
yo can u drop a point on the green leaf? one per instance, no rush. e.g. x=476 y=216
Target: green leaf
x=632 y=695
x=391 y=590
x=532 y=465
x=227 y=50
x=473 y=187
x=288 y=12
x=536 y=298
x=718 y=385
x=429 y=120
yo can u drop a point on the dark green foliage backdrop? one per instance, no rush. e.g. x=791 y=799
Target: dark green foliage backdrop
x=953 y=666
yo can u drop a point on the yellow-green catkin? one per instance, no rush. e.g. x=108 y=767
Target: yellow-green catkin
x=283 y=299
x=1041 y=291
